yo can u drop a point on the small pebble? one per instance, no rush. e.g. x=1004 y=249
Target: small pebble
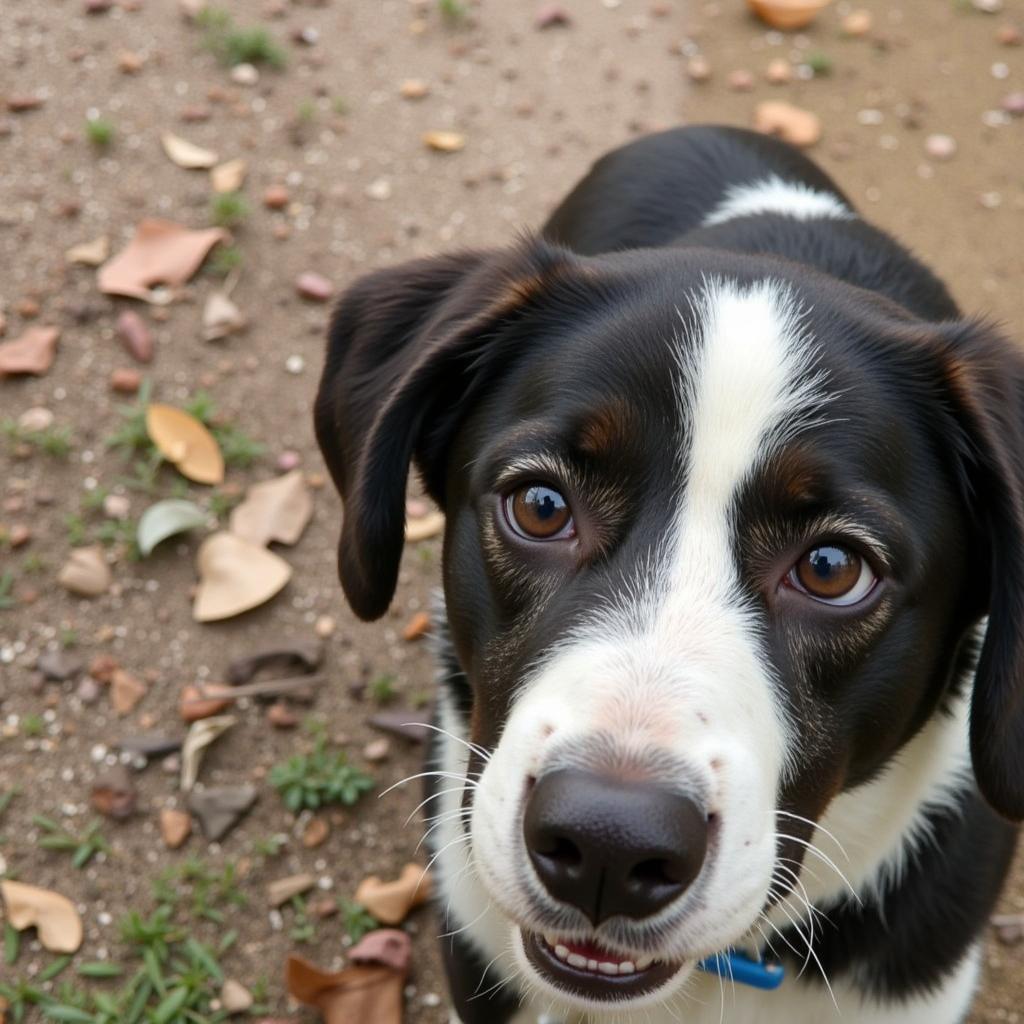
x=779 y=71
x=1009 y=35
x=857 y=23
x=36 y=418
x=125 y=381
x=413 y=89
x=135 y=335
x=741 y=80
x=276 y=197
x=1013 y=104
x=280 y=716
x=551 y=16
x=377 y=750
x=245 y=74
x=324 y=626
x=314 y=287
x=940 y=147
x=288 y=460
x=117 y=506
x=295 y=364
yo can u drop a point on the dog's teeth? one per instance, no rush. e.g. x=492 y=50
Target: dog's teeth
x=575 y=960
x=550 y=940
x=606 y=968
x=627 y=967
x=561 y=952
x=644 y=962
x=591 y=965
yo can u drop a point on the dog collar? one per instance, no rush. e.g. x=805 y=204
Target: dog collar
x=738 y=967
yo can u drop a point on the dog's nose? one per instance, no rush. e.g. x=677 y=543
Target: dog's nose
x=612 y=847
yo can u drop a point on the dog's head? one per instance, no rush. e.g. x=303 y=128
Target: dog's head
x=717 y=530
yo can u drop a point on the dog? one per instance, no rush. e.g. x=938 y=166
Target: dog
x=731 y=644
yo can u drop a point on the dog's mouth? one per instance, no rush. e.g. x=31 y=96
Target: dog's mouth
x=588 y=971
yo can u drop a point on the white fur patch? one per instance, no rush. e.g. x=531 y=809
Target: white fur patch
x=776 y=195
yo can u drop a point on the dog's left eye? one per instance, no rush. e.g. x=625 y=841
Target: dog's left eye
x=539 y=512
x=832 y=575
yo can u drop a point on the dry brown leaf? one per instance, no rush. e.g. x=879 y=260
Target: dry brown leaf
x=86 y=572
x=183 y=440
x=32 y=352
x=277 y=509
x=389 y=946
x=126 y=691
x=57 y=922
x=161 y=252
x=199 y=736
x=425 y=527
x=92 y=254
x=235 y=575
x=228 y=176
x=221 y=317
x=787 y=14
x=444 y=142
x=356 y=994
x=186 y=154
x=390 y=902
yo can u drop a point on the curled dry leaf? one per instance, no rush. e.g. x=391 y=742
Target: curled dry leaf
x=57 y=922
x=200 y=735
x=425 y=527
x=161 y=252
x=389 y=946
x=186 y=154
x=235 y=575
x=182 y=439
x=390 y=902
x=277 y=509
x=344 y=997
x=166 y=519
x=92 y=254
x=281 y=890
x=221 y=317
x=228 y=176
x=32 y=352
x=444 y=142
x=86 y=572
x=787 y=14
x=791 y=124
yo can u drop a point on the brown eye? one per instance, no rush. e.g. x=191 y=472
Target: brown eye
x=539 y=512
x=833 y=575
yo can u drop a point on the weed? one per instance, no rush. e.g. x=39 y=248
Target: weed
x=303 y=927
x=229 y=209
x=221 y=503
x=357 y=920
x=233 y=45
x=132 y=436
x=32 y=726
x=269 y=847
x=33 y=563
x=100 y=132
x=454 y=12
x=819 y=63
x=209 y=890
x=224 y=260
x=68 y=637
x=340 y=106
x=7 y=598
x=82 y=848
x=318 y=778
x=55 y=441
x=382 y=689
x=306 y=111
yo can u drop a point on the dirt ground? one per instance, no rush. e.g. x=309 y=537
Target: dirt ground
x=535 y=107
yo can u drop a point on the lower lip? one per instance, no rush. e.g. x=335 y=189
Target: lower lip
x=594 y=985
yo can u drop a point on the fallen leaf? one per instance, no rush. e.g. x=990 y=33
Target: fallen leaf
x=221 y=808
x=281 y=890
x=235 y=575
x=32 y=352
x=57 y=922
x=444 y=142
x=186 y=154
x=183 y=440
x=161 y=252
x=228 y=176
x=200 y=735
x=92 y=254
x=277 y=509
x=791 y=124
x=204 y=701
x=391 y=902
x=86 y=572
x=418 y=626
x=363 y=994
x=166 y=519
x=221 y=317
x=125 y=691
x=423 y=528
x=787 y=14
x=389 y=946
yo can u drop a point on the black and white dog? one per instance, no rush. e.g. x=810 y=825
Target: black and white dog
x=734 y=587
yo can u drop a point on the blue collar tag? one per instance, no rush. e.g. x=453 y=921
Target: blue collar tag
x=735 y=966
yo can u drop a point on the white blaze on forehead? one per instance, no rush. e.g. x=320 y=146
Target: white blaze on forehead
x=776 y=195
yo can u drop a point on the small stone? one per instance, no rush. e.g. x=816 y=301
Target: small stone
x=551 y=16
x=698 y=68
x=322 y=907
x=194 y=113
x=315 y=833
x=88 y=690
x=295 y=364
x=276 y=197
x=413 y=89
x=135 y=335
x=103 y=667
x=324 y=626
x=779 y=71
x=245 y=74
x=280 y=716
x=228 y=176
x=113 y=794
x=36 y=418
x=379 y=189
x=300 y=655
x=405 y=724
x=1013 y=104
x=129 y=63
x=314 y=287
x=125 y=381
x=125 y=691
x=940 y=147
x=857 y=23
x=58 y=666
x=790 y=123
x=204 y=702
x=1009 y=928
x=18 y=535
x=86 y=572
x=388 y=946
x=987 y=6
x=741 y=80
x=377 y=750
x=281 y=890
x=417 y=627
x=22 y=104
x=117 y=506
x=1009 y=35
x=147 y=745
x=175 y=827
x=28 y=308
x=287 y=461
x=235 y=997
x=221 y=808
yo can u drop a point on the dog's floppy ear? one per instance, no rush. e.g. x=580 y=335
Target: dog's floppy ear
x=984 y=380
x=408 y=349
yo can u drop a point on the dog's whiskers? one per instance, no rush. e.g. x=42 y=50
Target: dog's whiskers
x=481 y=752
x=817 y=826
x=824 y=857
x=468 y=780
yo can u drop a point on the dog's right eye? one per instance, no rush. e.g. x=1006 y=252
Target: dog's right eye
x=539 y=512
